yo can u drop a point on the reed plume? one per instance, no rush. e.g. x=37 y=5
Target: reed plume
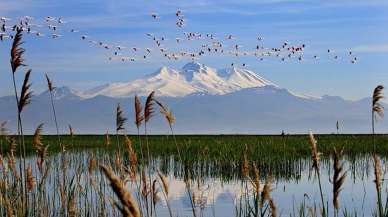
x=272 y=206
x=25 y=95
x=154 y=191
x=139 y=118
x=1 y=162
x=378 y=182
x=17 y=52
x=92 y=164
x=129 y=206
x=245 y=164
x=117 y=160
x=266 y=193
x=71 y=134
x=11 y=158
x=72 y=205
x=42 y=155
x=144 y=190
x=256 y=180
x=377 y=171
x=120 y=119
x=71 y=131
x=132 y=156
x=149 y=107
x=315 y=156
x=170 y=120
x=49 y=83
x=7 y=205
x=338 y=177
x=37 y=138
x=377 y=109
x=166 y=113
x=266 y=196
x=138 y=115
x=107 y=139
x=30 y=179
x=40 y=149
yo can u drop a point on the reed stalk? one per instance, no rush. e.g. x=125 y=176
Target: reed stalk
x=338 y=179
x=315 y=155
x=377 y=109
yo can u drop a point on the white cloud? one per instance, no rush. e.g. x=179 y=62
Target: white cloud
x=372 y=48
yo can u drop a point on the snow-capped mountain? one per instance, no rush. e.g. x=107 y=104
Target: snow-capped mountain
x=193 y=78
x=62 y=93
x=203 y=100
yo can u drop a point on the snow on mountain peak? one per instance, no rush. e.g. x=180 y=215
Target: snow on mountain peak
x=62 y=93
x=193 y=78
x=193 y=70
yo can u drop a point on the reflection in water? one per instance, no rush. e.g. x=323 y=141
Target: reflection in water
x=216 y=186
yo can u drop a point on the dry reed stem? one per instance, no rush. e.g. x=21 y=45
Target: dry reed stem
x=138 y=115
x=154 y=191
x=266 y=193
x=30 y=179
x=164 y=181
x=120 y=119
x=130 y=207
x=315 y=155
x=338 y=177
x=107 y=139
x=245 y=163
x=37 y=138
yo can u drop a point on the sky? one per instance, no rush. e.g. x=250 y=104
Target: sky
x=341 y=26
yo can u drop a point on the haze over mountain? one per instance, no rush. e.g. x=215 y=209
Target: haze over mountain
x=204 y=100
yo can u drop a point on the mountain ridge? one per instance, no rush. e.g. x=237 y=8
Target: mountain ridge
x=257 y=110
x=264 y=108
x=192 y=78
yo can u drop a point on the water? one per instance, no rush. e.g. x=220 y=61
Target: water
x=218 y=191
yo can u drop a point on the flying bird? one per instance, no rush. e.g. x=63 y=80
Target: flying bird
x=155 y=16
x=4 y=19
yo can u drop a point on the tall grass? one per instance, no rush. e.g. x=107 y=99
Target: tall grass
x=17 y=61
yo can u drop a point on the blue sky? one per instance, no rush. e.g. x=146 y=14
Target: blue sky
x=360 y=26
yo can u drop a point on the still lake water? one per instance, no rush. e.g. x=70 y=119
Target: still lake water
x=218 y=193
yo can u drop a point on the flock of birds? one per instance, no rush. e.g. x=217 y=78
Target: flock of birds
x=207 y=43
